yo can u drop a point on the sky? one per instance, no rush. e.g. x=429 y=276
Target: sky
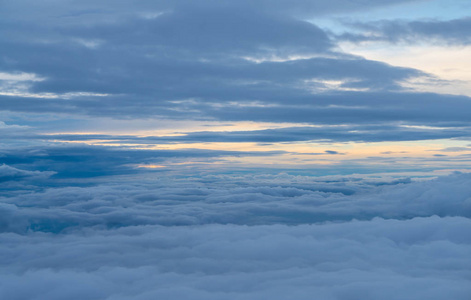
x=235 y=149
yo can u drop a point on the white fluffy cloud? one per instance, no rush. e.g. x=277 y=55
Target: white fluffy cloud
x=422 y=258
x=247 y=200
x=228 y=237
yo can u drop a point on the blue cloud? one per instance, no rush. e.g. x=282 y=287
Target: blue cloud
x=452 y=32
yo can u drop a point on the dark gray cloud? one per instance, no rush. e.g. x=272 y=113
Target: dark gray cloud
x=453 y=32
x=347 y=108
x=72 y=11
x=165 y=64
x=340 y=108
x=200 y=62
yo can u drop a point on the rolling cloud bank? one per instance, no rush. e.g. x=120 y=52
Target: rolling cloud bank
x=237 y=237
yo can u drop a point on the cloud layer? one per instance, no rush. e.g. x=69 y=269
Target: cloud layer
x=223 y=199
x=244 y=61
x=232 y=237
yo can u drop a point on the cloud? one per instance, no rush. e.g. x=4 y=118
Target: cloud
x=211 y=32
x=82 y=161
x=8 y=173
x=249 y=200
x=359 y=108
x=233 y=236
x=335 y=261
x=455 y=149
x=11 y=130
x=224 y=62
x=71 y=12
x=340 y=108
x=331 y=133
x=165 y=64
x=452 y=32
x=332 y=152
